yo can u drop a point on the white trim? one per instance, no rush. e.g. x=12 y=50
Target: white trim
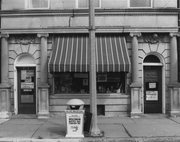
x=152 y=64
x=27 y=5
x=128 y=3
x=16 y=80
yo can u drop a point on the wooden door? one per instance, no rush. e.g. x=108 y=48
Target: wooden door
x=152 y=89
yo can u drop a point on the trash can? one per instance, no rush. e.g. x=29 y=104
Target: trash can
x=74 y=118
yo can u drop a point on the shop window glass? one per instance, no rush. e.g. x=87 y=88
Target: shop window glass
x=35 y=4
x=71 y=83
x=111 y=82
x=140 y=3
x=85 y=3
x=74 y=83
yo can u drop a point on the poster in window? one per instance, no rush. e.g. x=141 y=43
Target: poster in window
x=152 y=85
x=152 y=95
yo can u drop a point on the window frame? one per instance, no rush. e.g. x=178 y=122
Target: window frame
x=129 y=6
x=77 y=5
x=27 y=5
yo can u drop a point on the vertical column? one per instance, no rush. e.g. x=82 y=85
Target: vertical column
x=134 y=61
x=4 y=86
x=95 y=131
x=43 y=87
x=173 y=58
x=136 y=96
x=174 y=86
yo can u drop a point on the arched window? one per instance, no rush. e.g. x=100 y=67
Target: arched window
x=151 y=59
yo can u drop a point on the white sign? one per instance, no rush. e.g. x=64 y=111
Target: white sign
x=152 y=95
x=152 y=85
x=75 y=122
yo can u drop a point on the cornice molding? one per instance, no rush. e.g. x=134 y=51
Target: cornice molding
x=77 y=12
x=101 y=29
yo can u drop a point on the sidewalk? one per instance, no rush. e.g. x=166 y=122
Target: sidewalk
x=123 y=129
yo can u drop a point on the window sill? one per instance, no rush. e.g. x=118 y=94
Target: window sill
x=86 y=96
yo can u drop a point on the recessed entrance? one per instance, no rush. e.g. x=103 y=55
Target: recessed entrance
x=25 y=85
x=26 y=90
x=152 y=85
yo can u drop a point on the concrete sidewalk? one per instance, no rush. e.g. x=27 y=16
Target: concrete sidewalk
x=144 y=129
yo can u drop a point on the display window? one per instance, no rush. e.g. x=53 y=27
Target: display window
x=78 y=83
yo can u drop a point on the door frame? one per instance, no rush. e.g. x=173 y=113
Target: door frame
x=163 y=84
x=25 y=64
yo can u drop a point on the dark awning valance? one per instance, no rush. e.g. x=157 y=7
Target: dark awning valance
x=71 y=54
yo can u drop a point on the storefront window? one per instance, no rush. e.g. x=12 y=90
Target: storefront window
x=111 y=82
x=74 y=83
x=71 y=83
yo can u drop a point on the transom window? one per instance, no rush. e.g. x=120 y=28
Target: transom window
x=37 y=4
x=140 y=3
x=85 y=3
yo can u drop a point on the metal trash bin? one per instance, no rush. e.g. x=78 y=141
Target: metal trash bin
x=74 y=118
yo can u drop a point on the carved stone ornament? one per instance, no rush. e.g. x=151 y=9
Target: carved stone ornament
x=151 y=38
x=25 y=40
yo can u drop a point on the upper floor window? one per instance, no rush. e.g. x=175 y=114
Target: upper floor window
x=37 y=4
x=140 y=3
x=85 y=3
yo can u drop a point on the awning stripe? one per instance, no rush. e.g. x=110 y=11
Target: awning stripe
x=71 y=54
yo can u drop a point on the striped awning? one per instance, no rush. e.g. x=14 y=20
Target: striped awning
x=71 y=54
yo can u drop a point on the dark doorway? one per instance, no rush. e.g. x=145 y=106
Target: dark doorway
x=26 y=90
x=152 y=89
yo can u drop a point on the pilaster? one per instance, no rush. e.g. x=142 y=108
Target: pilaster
x=174 y=86
x=134 y=61
x=4 y=86
x=136 y=86
x=43 y=87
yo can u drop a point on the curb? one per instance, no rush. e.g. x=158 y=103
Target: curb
x=145 y=139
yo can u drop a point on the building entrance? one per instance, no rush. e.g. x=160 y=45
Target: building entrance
x=152 y=89
x=26 y=78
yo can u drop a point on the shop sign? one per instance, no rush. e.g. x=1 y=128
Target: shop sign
x=74 y=123
x=152 y=95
